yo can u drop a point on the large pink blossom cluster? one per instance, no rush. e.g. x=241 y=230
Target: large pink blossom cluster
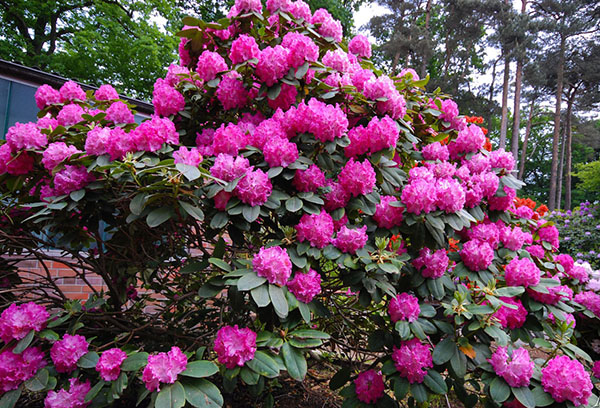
x=274 y=264
x=163 y=368
x=351 y=240
x=412 y=359
x=566 y=380
x=516 y=369
x=17 y=321
x=166 y=99
x=477 y=255
x=235 y=346
x=305 y=286
x=386 y=214
x=316 y=229
x=522 y=272
x=66 y=352
x=73 y=398
x=17 y=368
x=513 y=318
x=432 y=264
x=404 y=307
x=254 y=188
x=369 y=386
x=309 y=180
x=379 y=134
x=152 y=134
x=109 y=364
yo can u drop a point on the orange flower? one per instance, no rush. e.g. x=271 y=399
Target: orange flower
x=487 y=145
x=453 y=244
x=542 y=210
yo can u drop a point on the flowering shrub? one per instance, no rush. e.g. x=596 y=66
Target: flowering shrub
x=286 y=196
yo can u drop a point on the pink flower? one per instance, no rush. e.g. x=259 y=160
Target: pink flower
x=580 y=273
x=153 y=133
x=569 y=319
x=360 y=77
x=470 y=139
x=301 y=49
x=502 y=203
x=209 y=65
x=511 y=318
x=70 y=115
x=555 y=294
x=96 y=141
x=46 y=95
x=566 y=261
x=387 y=216
x=246 y=6
x=16 y=165
x=243 y=49
x=369 y=386
x=191 y=157
x=272 y=64
x=285 y=99
x=596 y=369
x=71 y=90
x=66 y=352
x=412 y=360
x=109 y=364
x=166 y=99
x=336 y=198
x=106 y=93
x=382 y=134
x=316 y=229
x=274 y=264
x=325 y=121
x=17 y=321
x=164 y=368
x=25 y=136
x=432 y=265
x=235 y=346
x=486 y=232
x=406 y=71
x=227 y=168
x=305 y=286
x=450 y=196
x=537 y=251
x=119 y=143
x=357 y=178
x=590 y=300
x=55 y=153
x=514 y=239
x=360 y=46
x=254 y=188
x=477 y=255
x=350 y=240
x=567 y=380
x=74 y=398
x=404 y=307
x=16 y=368
x=279 y=152
x=419 y=196
x=176 y=74
x=549 y=233
x=231 y=91
x=265 y=130
x=47 y=122
x=309 y=180
x=516 y=370
x=329 y=27
x=336 y=60
x=228 y=139
x=501 y=159
x=522 y=272
x=118 y=112
x=71 y=178
x=384 y=88
x=449 y=110
x=435 y=151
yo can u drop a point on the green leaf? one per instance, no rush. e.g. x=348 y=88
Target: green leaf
x=249 y=376
x=219 y=263
x=260 y=295
x=510 y=291
x=94 y=391
x=250 y=281
x=293 y=204
x=264 y=365
x=39 y=382
x=304 y=311
x=301 y=70
x=135 y=361
x=171 y=396
x=419 y=392
x=310 y=334
x=192 y=210
x=251 y=213
x=219 y=220
x=200 y=369
x=49 y=335
x=434 y=381
x=24 y=342
x=542 y=398
x=88 y=360
x=305 y=343
x=189 y=172
x=401 y=386
x=10 y=398
x=294 y=361
x=525 y=396
x=403 y=329
x=77 y=195
x=202 y=394
x=279 y=301
x=119 y=385
x=499 y=390
x=274 y=91
x=158 y=216
x=340 y=378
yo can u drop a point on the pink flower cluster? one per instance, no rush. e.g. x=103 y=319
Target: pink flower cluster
x=435 y=151
x=514 y=239
x=357 y=178
x=369 y=386
x=511 y=318
x=384 y=88
x=235 y=346
x=522 y=272
x=470 y=139
x=209 y=65
x=386 y=215
x=228 y=168
x=164 y=368
x=272 y=64
x=71 y=178
x=477 y=255
x=70 y=91
x=360 y=46
x=74 y=398
x=153 y=133
x=567 y=380
x=516 y=369
x=555 y=294
x=243 y=48
x=548 y=233
x=17 y=321
x=70 y=115
x=412 y=360
x=118 y=112
x=404 y=307
x=325 y=121
x=25 y=136
x=432 y=265
x=104 y=93
x=305 y=286
x=109 y=364
x=328 y=26
x=231 y=91
x=301 y=49
x=45 y=95
x=351 y=240
x=16 y=368
x=166 y=99
x=309 y=180
x=279 y=151
x=190 y=157
x=316 y=229
x=378 y=135
x=274 y=264
x=590 y=300
x=66 y=352
x=254 y=188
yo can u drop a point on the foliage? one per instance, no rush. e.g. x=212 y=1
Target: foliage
x=197 y=219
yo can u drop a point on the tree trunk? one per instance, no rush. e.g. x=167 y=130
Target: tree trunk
x=524 y=148
x=561 y=169
x=505 y=84
x=428 y=34
x=491 y=96
x=555 y=136
x=568 y=154
x=517 y=105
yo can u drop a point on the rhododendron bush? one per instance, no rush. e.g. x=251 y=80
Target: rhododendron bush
x=286 y=200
